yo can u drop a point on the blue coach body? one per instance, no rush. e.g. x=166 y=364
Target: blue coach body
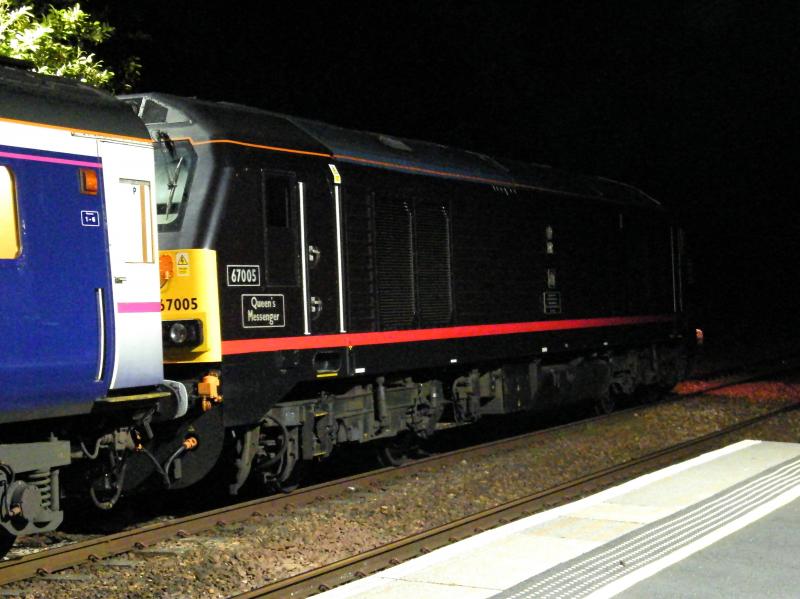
x=57 y=330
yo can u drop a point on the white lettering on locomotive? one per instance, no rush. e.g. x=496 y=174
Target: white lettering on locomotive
x=244 y=275
x=262 y=311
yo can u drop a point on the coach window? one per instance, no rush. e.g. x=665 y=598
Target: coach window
x=9 y=216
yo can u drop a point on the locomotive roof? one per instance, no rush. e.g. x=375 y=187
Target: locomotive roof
x=223 y=120
x=32 y=97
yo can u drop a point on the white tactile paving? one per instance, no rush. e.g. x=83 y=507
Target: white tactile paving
x=678 y=491
x=593 y=530
x=498 y=559
x=402 y=589
x=519 y=554
x=636 y=514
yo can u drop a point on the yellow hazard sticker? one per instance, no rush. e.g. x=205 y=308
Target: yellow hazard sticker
x=337 y=178
x=182 y=267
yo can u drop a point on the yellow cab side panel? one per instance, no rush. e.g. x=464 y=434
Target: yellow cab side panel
x=189 y=291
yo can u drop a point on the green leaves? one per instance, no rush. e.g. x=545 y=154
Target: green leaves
x=59 y=42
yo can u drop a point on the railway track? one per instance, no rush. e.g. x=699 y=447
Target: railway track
x=49 y=561
x=359 y=566
x=770 y=367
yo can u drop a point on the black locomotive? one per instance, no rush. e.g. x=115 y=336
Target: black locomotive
x=323 y=286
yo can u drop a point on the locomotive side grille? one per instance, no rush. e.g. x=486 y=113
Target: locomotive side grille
x=432 y=232
x=360 y=258
x=497 y=249
x=395 y=263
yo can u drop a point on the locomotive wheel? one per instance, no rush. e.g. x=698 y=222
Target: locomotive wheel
x=605 y=404
x=6 y=541
x=283 y=481
x=293 y=481
x=396 y=450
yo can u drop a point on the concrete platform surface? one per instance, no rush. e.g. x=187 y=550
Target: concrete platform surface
x=724 y=524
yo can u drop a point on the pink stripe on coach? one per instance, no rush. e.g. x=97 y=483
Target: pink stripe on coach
x=52 y=160
x=131 y=307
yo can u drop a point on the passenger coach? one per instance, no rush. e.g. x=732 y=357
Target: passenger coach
x=338 y=286
x=80 y=333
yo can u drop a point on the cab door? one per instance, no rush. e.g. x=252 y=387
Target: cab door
x=320 y=228
x=53 y=278
x=133 y=253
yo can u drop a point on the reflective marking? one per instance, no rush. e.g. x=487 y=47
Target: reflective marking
x=251 y=145
x=409 y=168
x=303 y=256
x=339 y=257
x=680 y=269
x=74 y=131
x=101 y=320
x=245 y=346
x=672 y=253
x=135 y=307
x=51 y=160
x=337 y=178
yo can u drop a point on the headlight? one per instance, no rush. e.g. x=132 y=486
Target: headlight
x=182 y=333
x=178 y=333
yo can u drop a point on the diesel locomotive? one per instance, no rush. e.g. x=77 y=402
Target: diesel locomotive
x=323 y=286
x=192 y=285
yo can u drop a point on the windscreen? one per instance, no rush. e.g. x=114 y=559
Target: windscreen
x=175 y=163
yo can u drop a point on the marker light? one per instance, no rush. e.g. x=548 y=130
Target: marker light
x=89 y=183
x=166 y=268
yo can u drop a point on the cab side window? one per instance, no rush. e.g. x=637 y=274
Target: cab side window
x=10 y=243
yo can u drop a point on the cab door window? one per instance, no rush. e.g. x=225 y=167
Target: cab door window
x=280 y=216
x=10 y=243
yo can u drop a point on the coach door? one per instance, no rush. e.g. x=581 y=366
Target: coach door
x=53 y=274
x=321 y=256
x=133 y=254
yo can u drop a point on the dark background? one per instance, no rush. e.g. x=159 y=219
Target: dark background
x=694 y=102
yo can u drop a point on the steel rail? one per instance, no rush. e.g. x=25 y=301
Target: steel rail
x=787 y=364
x=359 y=566
x=48 y=561
x=51 y=560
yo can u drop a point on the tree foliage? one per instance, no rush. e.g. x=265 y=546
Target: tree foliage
x=59 y=41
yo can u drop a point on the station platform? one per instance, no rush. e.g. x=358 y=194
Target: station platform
x=724 y=524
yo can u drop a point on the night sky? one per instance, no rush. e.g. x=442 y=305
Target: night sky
x=697 y=102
